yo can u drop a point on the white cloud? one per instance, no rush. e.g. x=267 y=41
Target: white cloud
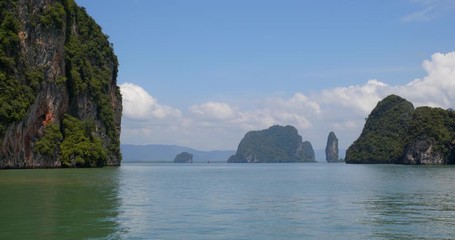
x=213 y=110
x=140 y=105
x=359 y=98
x=221 y=125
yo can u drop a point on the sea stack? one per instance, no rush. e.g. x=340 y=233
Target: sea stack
x=331 y=149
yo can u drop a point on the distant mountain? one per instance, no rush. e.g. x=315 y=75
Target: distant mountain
x=167 y=153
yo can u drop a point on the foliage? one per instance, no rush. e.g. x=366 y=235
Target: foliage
x=80 y=148
x=382 y=140
x=49 y=144
x=15 y=97
x=53 y=16
x=435 y=125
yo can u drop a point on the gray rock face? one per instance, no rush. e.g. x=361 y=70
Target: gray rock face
x=331 y=149
x=422 y=152
x=184 y=157
x=272 y=145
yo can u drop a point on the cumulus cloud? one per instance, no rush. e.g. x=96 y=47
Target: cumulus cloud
x=438 y=87
x=221 y=125
x=138 y=104
x=214 y=110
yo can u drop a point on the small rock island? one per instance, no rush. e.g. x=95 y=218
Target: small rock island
x=331 y=149
x=273 y=145
x=395 y=132
x=184 y=157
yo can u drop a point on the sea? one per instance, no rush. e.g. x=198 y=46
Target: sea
x=229 y=201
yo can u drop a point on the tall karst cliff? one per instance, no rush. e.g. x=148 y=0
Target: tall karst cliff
x=60 y=105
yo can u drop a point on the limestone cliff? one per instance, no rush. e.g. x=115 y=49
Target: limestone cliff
x=60 y=103
x=275 y=144
x=331 y=149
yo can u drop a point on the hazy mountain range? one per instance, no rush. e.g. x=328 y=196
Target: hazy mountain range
x=167 y=153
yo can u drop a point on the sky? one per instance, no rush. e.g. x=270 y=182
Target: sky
x=202 y=73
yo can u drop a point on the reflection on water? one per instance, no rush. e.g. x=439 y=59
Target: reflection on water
x=58 y=204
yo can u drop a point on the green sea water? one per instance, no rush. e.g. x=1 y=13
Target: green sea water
x=229 y=201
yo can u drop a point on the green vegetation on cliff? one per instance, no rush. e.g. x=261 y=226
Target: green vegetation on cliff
x=15 y=96
x=276 y=144
x=49 y=144
x=58 y=76
x=80 y=146
x=88 y=62
x=382 y=140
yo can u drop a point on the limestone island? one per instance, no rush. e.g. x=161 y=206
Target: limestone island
x=184 y=157
x=395 y=132
x=276 y=144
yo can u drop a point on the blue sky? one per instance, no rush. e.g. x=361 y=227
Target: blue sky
x=203 y=72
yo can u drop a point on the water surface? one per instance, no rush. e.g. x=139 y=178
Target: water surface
x=229 y=201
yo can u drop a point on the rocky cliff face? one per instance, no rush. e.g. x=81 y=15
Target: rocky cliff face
x=430 y=138
x=60 y=104
x=331 y=149
x=396 y=133
x=276 y=144
x=184 y=157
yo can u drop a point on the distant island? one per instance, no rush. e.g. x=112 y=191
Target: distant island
x=273 y=145
x=184 y=157
x=167 y=153
x=395 y=132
